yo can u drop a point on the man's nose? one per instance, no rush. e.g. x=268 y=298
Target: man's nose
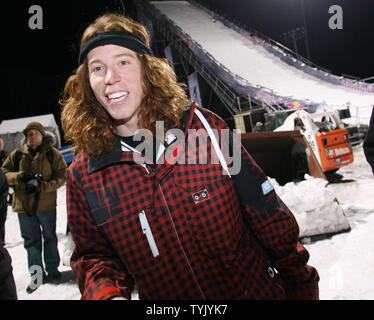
x=111 y=76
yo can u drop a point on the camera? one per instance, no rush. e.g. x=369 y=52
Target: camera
x=34 y=184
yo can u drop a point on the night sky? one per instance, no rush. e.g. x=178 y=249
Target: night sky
x=38 y=62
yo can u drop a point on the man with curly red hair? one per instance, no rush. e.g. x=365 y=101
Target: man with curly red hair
x=194 y=230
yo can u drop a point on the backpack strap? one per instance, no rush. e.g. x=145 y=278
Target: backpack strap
x=18 y=156
x=50 y=155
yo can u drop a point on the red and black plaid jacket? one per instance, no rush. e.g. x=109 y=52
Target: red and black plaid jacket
x=182 y=231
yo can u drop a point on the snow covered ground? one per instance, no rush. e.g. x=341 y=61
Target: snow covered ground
x=344 y=261
x=67 y=289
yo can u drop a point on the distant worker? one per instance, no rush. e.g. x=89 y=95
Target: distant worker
x=3 y=214
x=369 y=142
x=258 y=127
x=3 y=153
x=36 y=171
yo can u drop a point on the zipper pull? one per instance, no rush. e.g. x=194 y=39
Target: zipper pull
x=148 y=232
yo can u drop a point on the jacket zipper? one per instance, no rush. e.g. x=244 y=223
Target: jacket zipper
x=148 y=233
x=181 y=246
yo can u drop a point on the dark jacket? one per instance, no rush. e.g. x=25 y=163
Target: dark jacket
x=54 y=176
x=3 y=156
x=181 y=230
x=369 y=142
x=3 y=203
x=7 y=284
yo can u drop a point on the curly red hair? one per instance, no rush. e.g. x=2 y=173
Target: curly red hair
x=84 y=120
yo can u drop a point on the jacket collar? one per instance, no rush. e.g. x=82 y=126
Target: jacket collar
x=44 y=146
x=107 y=158
x=117 y=154
x=120 y=153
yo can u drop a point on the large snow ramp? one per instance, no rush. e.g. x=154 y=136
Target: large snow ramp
x=256 y=67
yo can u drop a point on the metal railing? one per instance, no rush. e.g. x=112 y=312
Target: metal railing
x=368 y=79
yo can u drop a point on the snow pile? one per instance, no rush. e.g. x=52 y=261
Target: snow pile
x=345 y=263
x=314 y=206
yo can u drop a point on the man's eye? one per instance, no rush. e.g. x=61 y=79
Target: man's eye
x=96 y=68
x=123 y=63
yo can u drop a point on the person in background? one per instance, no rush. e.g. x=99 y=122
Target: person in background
x=3 y=215
x=195 y=230
x=368 y=145
x=36 y=171
x=7 y=285
x=258 y=127
x=3 y=153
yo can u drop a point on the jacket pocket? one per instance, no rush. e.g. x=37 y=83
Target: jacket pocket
x=191 y=177
x=137 y=239
x=212 y=209
x=221 y=241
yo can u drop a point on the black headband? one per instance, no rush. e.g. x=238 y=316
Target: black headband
x=119 y=38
